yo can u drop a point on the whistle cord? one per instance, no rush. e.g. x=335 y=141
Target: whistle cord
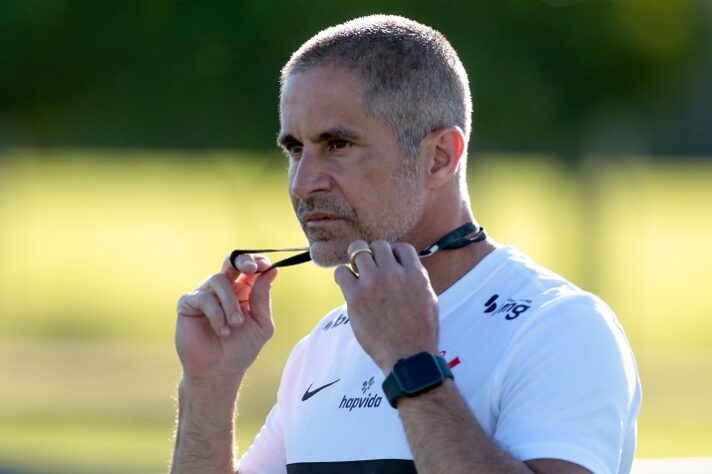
x=462 y=236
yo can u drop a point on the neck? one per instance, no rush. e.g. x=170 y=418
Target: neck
x=446 y=267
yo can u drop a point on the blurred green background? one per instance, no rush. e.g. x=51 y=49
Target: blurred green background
x=136 y=150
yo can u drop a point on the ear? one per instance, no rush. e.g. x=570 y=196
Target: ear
x=444 y=148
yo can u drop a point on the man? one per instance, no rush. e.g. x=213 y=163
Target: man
x=375 y=118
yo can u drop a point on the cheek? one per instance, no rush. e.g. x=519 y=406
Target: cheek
x=290 y=181
x=379 y=192
x=377 y=204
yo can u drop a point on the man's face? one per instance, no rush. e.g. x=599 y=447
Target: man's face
x=347 y=178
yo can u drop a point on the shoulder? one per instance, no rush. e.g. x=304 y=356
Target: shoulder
x=569 y=342
x=547 y=294
x=566 y=386
x=555 y=323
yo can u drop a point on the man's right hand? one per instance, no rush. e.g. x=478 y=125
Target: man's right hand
x=223 y=325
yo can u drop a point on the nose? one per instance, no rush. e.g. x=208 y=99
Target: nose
x=308 y=175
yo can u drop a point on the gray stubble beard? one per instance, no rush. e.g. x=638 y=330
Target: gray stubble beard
x=402 y=225
x=394 y=231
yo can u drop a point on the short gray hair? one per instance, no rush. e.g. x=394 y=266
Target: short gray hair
x=413 y=79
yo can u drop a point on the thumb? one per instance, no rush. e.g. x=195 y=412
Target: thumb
x=260 y=297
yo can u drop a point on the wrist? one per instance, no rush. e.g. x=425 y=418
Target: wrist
x=415 y=375
x=206 y=425
x=211 y=408
x=217 y=384
x=436 y=396
x=219 y=394
x=386 y=363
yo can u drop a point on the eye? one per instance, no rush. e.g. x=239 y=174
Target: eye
x=293 y=149
x=337 y=144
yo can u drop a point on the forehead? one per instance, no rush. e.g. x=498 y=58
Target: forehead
x=320 y=81
x=320 y=96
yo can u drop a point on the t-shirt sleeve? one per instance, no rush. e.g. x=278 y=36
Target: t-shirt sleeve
x=570 y=389
x=267 y=455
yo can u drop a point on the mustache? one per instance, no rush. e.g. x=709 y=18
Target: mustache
x=328 y=205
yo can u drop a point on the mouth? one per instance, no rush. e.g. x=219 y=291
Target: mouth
x=318 y=219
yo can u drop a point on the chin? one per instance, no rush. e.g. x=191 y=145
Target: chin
x=326 y=253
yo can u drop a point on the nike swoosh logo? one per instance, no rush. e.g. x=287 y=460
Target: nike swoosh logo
x=307 y=395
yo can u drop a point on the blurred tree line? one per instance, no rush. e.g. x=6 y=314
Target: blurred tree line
x=564 y=76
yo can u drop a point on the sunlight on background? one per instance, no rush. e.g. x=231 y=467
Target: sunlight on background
x=102 y=228
x=96 y=247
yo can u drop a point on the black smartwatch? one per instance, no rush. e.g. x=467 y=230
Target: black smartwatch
x=415 y=375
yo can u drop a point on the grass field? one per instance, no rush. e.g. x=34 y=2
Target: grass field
x=96 y=246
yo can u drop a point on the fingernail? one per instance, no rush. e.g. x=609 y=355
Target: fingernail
x=236 y=318
x=224 y=331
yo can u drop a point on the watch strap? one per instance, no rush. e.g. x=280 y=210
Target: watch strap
x=394 y=391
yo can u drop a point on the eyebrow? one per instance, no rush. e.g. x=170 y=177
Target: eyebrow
x=334 y=133
x=284 y=140
x=342 y=133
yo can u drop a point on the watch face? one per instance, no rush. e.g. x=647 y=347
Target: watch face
x=418 y=372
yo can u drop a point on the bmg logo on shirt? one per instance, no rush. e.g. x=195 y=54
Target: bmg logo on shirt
x=342 y=318
x=512 y=308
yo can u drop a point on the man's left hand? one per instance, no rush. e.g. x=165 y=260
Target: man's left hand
x=392 y=306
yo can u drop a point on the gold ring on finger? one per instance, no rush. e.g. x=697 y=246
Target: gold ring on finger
x=352 y=255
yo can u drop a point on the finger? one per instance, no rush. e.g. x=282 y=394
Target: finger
x=242 y=288
x=222 y=288
x=245 y=282
x=260 y=308
x=252 y=265
x=383 y=254
x=244 y=263
x=345 y=278
x=228 y=269
x=406 y=254
x=205 y=303
x=362 y=260
x=263 y=263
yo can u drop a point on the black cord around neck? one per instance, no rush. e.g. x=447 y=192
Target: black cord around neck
x=462 y=236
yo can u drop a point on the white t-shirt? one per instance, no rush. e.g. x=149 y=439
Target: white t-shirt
x=544 y=366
